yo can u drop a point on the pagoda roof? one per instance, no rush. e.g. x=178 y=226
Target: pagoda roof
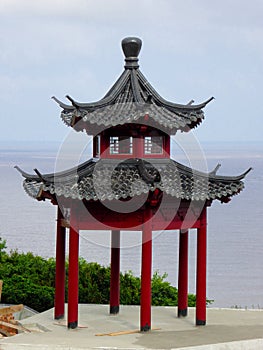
x=104 y=179
x=129 y=100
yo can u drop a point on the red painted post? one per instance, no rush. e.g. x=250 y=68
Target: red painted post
x=104 y=145
x=139 y=147
x=146 y=274
x=167 y=145
x=201 y=272
x=115 y=273
x=183 y=274
x=73 y=272
x=60 y=268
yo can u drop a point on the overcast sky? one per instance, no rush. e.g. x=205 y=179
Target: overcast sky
x=192 y=49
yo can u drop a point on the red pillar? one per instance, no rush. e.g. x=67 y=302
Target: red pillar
x=183 y=274
x=201 y=272
x=146 y=274
x=73 y=272
x=60 y=268
x=115 y=273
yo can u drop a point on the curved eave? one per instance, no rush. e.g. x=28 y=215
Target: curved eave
x=230 y=178
x=212 y=176
x=117 y=88
x=127 y=100
x=175 y=179
x=68 y=175
x=166 y=103
x=105 y=101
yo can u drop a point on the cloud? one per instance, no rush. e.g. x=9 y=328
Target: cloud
x=81 y=26
x=191 y=49
x=99 y=11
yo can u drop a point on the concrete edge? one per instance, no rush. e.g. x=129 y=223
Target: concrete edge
x=233 y=309
x=252 y=344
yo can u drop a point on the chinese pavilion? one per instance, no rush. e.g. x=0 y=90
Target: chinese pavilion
x=131 y=184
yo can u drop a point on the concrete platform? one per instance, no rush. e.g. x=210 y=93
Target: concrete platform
x=227 y=329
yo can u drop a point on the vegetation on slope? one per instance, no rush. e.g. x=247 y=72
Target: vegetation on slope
x=30 y=280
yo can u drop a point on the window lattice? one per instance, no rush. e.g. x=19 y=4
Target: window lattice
x=153 y=145
x=121 y=145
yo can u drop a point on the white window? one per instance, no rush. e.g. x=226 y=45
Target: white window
x=121 y=145
x=97 y=146
x=153 y=145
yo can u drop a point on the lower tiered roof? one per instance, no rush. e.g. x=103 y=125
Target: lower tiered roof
x=104 y=179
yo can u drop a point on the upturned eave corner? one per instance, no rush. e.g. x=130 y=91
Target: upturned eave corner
x=133 y=92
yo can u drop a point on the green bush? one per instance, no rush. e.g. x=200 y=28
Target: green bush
x=30 y=280
x=2 y=249
x=130 y=287
x=163 y=294
x=94 y=283
x=21 y=290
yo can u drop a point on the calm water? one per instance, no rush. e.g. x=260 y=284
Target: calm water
x=235 y=238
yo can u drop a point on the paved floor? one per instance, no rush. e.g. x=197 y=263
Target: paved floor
x=227 y=328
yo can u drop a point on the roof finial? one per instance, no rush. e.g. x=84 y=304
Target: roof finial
x=131 y=47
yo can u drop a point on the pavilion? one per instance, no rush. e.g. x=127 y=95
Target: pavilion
x=131 y=184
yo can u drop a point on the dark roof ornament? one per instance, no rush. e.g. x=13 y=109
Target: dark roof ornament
x=131 y=47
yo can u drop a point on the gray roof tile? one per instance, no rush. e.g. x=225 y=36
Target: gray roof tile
x=104 y=179
x=129 y=99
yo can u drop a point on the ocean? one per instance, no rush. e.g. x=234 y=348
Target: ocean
x=235 y=238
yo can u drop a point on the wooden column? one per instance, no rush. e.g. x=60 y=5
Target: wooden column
x=146 y=273
x=60 y=268
x=115 y=272
x=73 y=271
x=201 y=272
x=183 y=274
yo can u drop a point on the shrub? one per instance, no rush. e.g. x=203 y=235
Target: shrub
x=94 y=283
x=30 y=280
x=129 y=289
x=21 y=290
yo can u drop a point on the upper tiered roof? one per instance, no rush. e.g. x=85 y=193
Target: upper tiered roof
x=129 y=100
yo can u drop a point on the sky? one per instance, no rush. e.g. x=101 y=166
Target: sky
x=192 y=49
